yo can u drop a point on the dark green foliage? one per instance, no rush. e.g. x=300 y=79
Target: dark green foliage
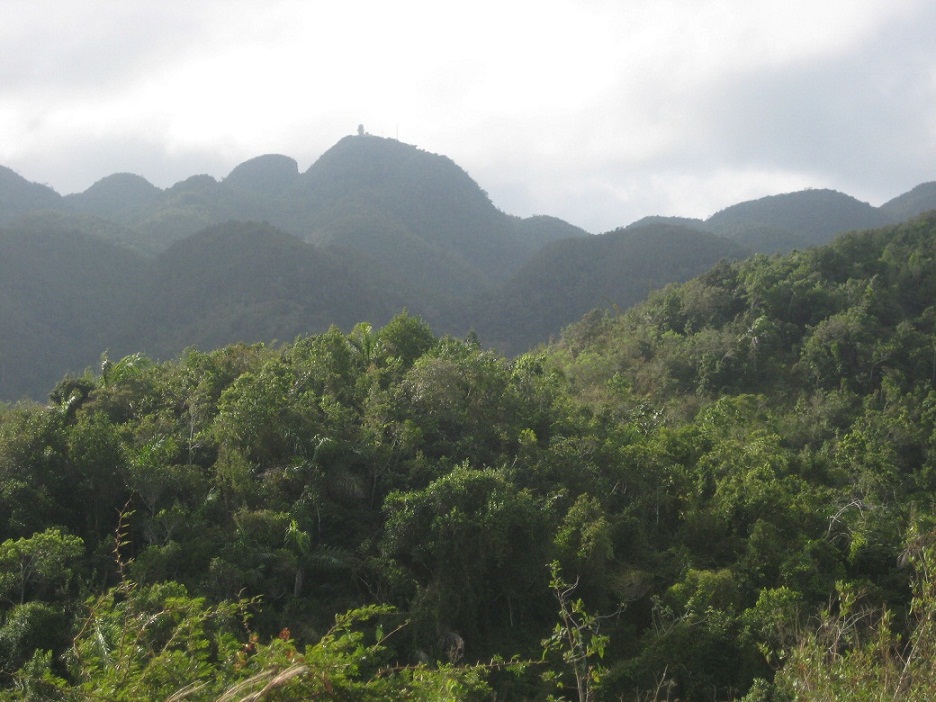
x=725 y=459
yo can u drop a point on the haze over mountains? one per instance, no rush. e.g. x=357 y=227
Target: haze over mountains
x=375 y=225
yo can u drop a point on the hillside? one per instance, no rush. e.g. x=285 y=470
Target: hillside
x=388 y=225
x=417 y=213
x=271 y=175
x=568 y=278
x=122 y=197
x=61 y=292
x=724 y=492
x=920 y=199
x=19 y=197
x=845 y=317
x=795 y=220
x=250 y=283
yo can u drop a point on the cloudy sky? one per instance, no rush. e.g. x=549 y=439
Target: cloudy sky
x=596 y=111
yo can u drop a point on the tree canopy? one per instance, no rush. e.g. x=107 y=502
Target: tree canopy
x=684 y=500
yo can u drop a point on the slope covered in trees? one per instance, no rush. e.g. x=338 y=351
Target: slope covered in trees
x=796 y=220
x=61 y=291
x=718 y=470
x=568 y=278
x=376 y=226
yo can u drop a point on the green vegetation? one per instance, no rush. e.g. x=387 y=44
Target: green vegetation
x=722 y=493
x=372 y=227
x=568 y=278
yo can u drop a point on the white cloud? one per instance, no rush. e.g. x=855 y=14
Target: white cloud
x=593 y=110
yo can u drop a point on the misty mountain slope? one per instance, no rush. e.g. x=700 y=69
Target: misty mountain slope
x=391 y=226
x=920 y=199
x=19 y=196
x=417 y=202
x=122 y=197
x=570 y=277
x=247 y=282
x=75 y=223
x=62 y=293
x=194 y=204
x=416 y=211
x=270 y=175
x=688 y=222
x=542 y=229
x=795 y=220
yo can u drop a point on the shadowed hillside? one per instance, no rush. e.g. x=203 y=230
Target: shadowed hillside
x=247 y=282
x=372 y=227
x=570 y=277
x=795 y=220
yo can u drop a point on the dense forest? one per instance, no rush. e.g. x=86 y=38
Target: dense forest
x=724 y=492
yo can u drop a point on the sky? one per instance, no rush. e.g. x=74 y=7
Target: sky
x=596 y=111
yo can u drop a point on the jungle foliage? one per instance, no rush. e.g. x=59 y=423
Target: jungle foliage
x=722 y=493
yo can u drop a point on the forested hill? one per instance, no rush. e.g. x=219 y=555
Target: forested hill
x=568 y=278
x=854 y=317
x=725 y=492
x=780 y=223
x=373 y=227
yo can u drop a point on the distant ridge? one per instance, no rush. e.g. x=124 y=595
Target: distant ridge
x=18 y=196
x=248 y=282
x=373 y=226
x=120 y=196
x=920 y=199
x=802 y=219
x=568 y=278
x=271 y=175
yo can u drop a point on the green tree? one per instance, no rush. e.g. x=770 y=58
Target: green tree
x=470 y=544
x=37 y=566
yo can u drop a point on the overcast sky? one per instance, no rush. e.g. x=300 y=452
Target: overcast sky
x=596 y=111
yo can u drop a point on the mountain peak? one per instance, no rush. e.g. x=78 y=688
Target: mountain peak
x=19 y=196
x=368 y=160
x=791 y=220
x=920 y=199
x=270 y=174
x=116 y=194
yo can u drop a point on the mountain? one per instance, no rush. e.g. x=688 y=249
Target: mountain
x=409 y=210
x=920 y=199
x=62 y=291
x=568 y=278
x=120 y=196
x=372 y=227
x=542 y=229
x=690 y=222
x=795 y=220
x=271 y=175
x=18 y=196
x=191 y=205
x=413 y=211
x=247 y=282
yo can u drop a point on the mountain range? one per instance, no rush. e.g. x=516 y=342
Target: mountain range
x=373 y=226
